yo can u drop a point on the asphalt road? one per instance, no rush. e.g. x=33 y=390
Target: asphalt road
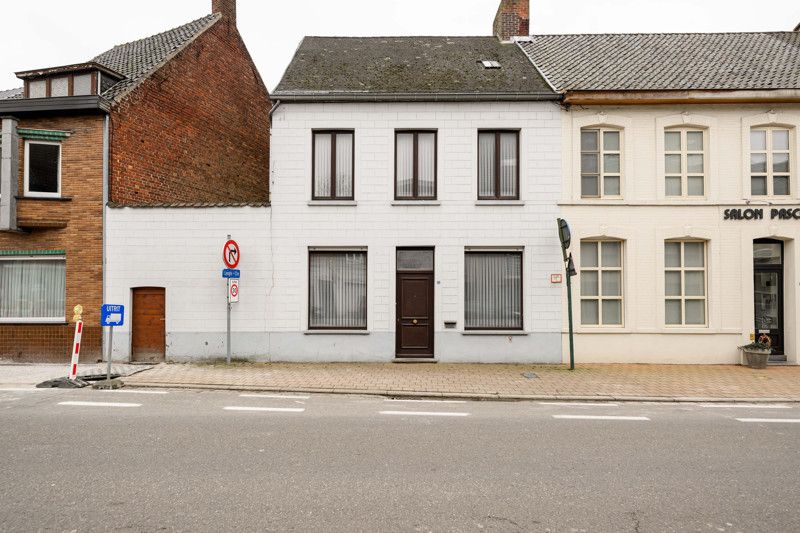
x=221 y=461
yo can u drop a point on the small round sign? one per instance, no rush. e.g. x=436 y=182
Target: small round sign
x=234 y=291
x=230 y=254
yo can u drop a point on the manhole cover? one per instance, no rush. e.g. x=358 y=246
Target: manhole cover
x=529 y=375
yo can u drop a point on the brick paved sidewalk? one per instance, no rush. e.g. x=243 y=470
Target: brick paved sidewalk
x=609 y=382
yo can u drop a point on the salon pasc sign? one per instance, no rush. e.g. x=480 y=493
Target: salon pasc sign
x=790 y=213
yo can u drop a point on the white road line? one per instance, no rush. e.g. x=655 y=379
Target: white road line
x=100 y=404
x=770 y=420
x=420 y=413
x=275 y=396
x=422 y=401
x=266 y=409
x=744 y=406
x=580 y=404
x=588 y=417
x=123 y=391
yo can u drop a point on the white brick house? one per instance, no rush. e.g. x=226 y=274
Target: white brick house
x=404 y=257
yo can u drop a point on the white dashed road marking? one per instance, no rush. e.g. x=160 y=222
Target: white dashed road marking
x=100 y=404
x=422 y=401
x=744 y=406
x=770 y=420
x=266 y=409
x=588 y=417
x=275 y=396
x=420 y=413
x=580 y=404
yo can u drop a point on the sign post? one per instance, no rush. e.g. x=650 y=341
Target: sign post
x=111 y=315
x=565 y=236
x=231 y=256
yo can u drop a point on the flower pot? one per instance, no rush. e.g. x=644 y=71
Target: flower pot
x=757 y=358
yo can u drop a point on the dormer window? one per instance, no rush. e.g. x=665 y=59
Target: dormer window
x=72 y=80
x=37 y=89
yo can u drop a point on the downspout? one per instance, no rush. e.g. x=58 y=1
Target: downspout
x=274 y=108
x=106 y=143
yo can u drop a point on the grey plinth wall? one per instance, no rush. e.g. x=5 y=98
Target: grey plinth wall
x=9 y=174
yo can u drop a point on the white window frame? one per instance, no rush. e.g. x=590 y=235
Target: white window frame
x=683 y=269
x=602 y=152
x=35 y=320
x=35 y=194
x=770 y=152
x=684 y=154
x=599 y=269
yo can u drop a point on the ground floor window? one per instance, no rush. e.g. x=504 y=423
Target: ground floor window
x=601 y=283
x=33 y=289
x=337 y=290
x=493 y=298
x=685 y=283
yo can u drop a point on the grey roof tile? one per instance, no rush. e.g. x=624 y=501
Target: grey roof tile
x=139 y=59
x=12 y=94
x=371 y=66
x=678 y=61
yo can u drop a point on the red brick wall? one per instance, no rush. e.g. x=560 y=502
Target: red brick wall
x=196 y=131
x=512 y=19
x=82 y=180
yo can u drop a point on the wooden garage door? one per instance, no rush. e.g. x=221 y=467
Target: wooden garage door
x=149 y=325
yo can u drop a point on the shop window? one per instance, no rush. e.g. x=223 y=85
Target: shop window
x=601 y=163
x=493 y=295
x=601 y=283
x=770 y=162
x=334 y=152
x=685 y=162
x=42 y=169
x=498 y=165
x=415 y=165
x=337 y=289
x=32 y=289
x=685 y=282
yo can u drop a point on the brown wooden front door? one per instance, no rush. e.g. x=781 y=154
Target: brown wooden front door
x=415 y=292
x=149 y=326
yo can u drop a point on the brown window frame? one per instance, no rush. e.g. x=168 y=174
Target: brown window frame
x=521 y=255
x=497 y=165
x=415 y=180
x=333 y=134
x=365 y=253
x=70 y=82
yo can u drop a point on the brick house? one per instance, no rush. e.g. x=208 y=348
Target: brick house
x=179 y=119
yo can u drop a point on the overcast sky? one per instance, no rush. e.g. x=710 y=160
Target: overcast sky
x=49 y=33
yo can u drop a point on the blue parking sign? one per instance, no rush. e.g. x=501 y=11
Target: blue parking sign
x=112 y=315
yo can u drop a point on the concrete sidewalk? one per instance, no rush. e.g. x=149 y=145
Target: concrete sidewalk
x=506 y=382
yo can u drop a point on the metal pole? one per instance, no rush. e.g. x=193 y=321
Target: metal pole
x=569 y=314
x=229 y=333
x=110 y=348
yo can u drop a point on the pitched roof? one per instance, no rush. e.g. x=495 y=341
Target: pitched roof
x=680 y=61
x=139 y=59
x=401 y=67
x=12 y=94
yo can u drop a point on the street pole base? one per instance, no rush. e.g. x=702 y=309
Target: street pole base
x=63 y=383
x=106 y=384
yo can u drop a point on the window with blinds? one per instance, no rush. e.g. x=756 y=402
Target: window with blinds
x=337 y=290
x=415 y=165
x=333 y=155
x=33 y=289
x=498 y=165
x=493 y=291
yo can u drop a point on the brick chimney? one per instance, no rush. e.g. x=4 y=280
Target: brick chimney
x=226 y=7
x=512 y=19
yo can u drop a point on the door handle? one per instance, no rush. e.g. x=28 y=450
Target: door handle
x=415 y=322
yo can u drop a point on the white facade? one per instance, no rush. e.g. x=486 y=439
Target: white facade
x=643 y=218
x=452 y=224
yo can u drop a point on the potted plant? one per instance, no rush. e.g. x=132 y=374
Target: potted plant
x=757 y=353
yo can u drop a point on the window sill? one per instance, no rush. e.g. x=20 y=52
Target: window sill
x=500 y=202
x=333 y=203
x=496 y=333
x=46 y=198
x=336 y=332
x=417 y=202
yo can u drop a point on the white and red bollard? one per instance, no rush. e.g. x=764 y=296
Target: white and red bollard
x=76 y=345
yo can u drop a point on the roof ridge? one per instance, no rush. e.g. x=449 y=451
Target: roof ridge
x=209 y=16
x=773 y=32
x=400 y=37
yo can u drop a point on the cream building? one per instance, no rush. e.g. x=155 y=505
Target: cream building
x=680 y=183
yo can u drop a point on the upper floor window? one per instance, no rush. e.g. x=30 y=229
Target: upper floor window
x=601 y=283
x=601 y=163
x=42 y=169
x=498 y=165
x=333 y=155
x=415 y=165
x=684 y=162
x=770 y=161
x=685 y=283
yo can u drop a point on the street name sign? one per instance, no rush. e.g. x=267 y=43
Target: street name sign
x=230 y=273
